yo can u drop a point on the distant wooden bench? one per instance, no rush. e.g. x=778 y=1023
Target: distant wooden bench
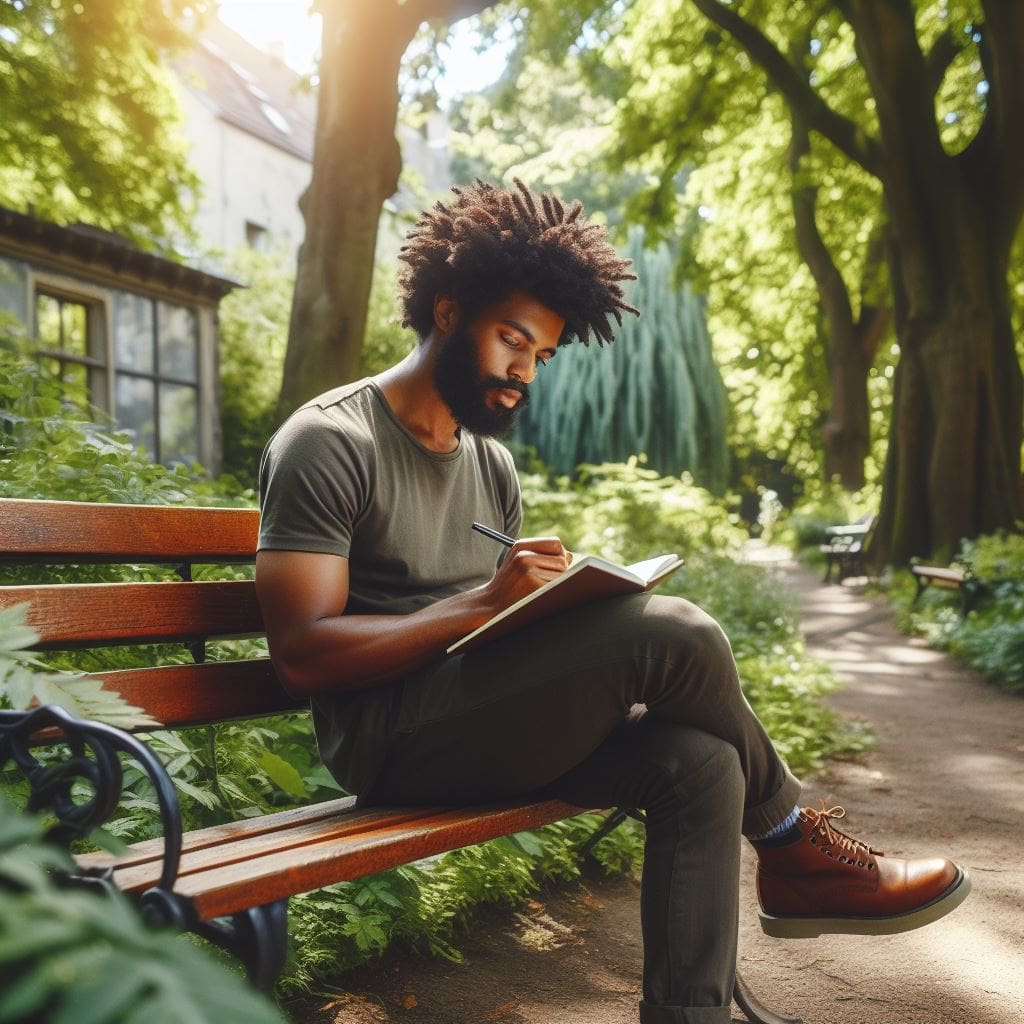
x=845 y=548
x=933 y=575
x=230 y=883
x=972 y=588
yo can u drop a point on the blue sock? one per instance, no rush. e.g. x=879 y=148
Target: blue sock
x=785 y=830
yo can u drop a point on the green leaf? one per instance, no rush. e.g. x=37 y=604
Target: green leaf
x=321 y=778
x=282 y=774
x=108 y=841
x=103 y=998
x=87 y=698
x=204 y=797
x=528 y=843
x=28 y=994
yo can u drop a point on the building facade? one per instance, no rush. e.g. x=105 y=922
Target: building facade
x=132 y=332
x=250 y=123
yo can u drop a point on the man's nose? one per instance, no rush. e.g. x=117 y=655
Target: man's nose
x=523 y=369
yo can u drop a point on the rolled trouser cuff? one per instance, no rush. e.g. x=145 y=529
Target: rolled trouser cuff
x=651 y=1014
x=763 y=817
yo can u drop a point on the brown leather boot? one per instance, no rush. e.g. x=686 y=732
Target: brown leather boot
x=826 y=881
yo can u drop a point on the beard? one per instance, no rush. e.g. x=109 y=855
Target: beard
x=463 y=387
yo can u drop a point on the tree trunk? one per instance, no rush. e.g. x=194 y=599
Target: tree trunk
x=846 y=433
x=356 y=164
x=850 y=344
x=953 y=466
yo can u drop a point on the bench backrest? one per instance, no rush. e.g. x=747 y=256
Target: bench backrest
x=80 y=615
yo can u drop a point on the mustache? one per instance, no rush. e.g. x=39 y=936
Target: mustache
x=509 y=384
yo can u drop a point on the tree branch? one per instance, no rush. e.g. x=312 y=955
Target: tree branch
x=848 y=137
x=938 y=59
x=810 y=244
x=415 y=12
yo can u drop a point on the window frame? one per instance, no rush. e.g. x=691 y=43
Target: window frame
x=158 y=377
x=98 y=302
x=102 y=369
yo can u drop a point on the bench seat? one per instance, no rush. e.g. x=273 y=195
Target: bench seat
x=228 y=868
x=933 y=575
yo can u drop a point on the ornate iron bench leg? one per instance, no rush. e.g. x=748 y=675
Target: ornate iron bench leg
x=257 y=936
x=755 y=1011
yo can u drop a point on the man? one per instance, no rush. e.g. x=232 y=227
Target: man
x=368 y=569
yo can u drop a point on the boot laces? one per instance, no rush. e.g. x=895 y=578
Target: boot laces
x=822 y=820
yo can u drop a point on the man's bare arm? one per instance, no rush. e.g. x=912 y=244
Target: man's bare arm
x=316 y=648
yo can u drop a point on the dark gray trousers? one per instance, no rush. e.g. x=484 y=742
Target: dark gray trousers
x=547 y=710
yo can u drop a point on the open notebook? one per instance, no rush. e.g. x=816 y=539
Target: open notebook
x=587 y=579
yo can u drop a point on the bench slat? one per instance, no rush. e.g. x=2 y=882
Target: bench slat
x=218 y=691
x=293 y=839
x=201 y=838
x=79 y=531
x=226 y=890
x=96 y=614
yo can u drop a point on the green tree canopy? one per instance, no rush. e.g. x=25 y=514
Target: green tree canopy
x=921 y=97
x=90 y=121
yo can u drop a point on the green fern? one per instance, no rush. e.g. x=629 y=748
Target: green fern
x=24 y=680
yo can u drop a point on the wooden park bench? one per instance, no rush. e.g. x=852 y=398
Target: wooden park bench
x=971 y=588
x=230 y=883
x=934 y=575
x=845 y=548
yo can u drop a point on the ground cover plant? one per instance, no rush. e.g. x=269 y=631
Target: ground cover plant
x=51 y=448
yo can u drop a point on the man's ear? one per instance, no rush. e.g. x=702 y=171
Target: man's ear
x=446 y=314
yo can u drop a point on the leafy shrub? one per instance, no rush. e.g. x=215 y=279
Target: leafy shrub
x=995 y=556
x=626 y=512
x=68 y=955
x=252 y=336
x=386 y=341
x=50 y=447
x=253 y=333
x=995 y=648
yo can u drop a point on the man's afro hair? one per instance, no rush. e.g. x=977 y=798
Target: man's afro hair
x=489 y=242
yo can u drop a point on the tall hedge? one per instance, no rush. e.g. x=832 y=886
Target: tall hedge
x=656 y=391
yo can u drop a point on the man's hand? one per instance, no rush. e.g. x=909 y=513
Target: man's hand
x=529 y=564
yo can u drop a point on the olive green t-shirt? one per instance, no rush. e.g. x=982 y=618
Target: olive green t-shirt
x=343 y=476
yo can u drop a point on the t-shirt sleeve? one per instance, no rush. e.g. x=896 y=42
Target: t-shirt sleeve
x=313 y=487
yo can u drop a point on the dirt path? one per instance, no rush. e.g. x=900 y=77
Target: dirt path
x=946 y=776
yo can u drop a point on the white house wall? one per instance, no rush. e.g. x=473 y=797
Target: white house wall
x=244 y=180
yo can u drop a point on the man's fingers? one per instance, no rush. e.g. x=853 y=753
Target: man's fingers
x=530 y=561
x=540 y=545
